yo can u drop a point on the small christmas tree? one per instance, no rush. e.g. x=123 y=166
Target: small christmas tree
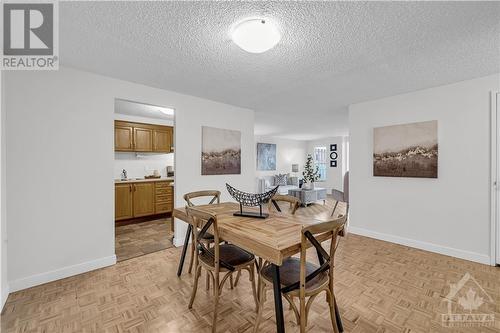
x=310 y=173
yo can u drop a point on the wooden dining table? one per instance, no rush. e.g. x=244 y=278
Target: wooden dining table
x=273 y=239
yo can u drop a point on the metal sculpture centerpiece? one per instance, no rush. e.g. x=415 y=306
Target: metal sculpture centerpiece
x=251 y=200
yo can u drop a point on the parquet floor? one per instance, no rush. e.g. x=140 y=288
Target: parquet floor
x=380 y=287
x=138 y=239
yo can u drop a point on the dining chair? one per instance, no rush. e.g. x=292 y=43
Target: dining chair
x=212 y=197
x=273 y=203
x=300 y=278
x=342 y=196
x=220 y=258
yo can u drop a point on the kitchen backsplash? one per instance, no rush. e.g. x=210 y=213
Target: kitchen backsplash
x=142 y=164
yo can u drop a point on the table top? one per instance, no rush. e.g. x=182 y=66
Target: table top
x=307 y=190
x=274 y=238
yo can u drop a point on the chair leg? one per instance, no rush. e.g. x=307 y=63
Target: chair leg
x=191 y=257
x=302 y=315
x=216 y=302
x=231 y=281
x=333 y=317
x=207 y=282
x=260 y=308
x=251 y=277
x=308 y=306
x=337 y=314
x=237 y=278
x=195 y=286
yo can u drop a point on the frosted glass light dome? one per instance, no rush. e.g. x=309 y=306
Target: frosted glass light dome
x=256 y=35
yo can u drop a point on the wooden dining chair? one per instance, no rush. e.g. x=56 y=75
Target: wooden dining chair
x=300 y=278
x=214 y=197
x=276 y=199
x=220 y=258
x=273 y=205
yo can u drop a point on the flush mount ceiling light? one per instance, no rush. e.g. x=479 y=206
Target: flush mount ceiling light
x=167 y=111
x=256 y=35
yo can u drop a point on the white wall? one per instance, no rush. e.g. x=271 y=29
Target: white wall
x=334 y=175
x=450 y=214
x=288 y=152
x=197 y=113
x=60 y=158
x=4 y=286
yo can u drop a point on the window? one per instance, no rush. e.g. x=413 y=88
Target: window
x=320 y=161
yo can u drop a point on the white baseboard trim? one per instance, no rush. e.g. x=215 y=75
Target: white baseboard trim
x=449 y=251
x=5 y=294
x=179 y=242
x=37 y=279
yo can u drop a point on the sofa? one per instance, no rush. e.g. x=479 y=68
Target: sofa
x=267 y=183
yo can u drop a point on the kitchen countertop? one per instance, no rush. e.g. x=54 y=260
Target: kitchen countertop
x=142 y=180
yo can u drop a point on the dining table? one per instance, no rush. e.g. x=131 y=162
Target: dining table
x=273 y=239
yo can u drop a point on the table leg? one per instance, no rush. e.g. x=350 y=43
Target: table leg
x=184 y=249
x=278 y=304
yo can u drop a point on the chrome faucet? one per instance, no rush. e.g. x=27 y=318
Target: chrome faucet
x=124 y=174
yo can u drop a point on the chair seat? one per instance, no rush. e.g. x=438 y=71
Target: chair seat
x=290 y=273
x=230 y=254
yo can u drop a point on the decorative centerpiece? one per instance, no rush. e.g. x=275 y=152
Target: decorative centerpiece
x=251 y=200
x=310 y=173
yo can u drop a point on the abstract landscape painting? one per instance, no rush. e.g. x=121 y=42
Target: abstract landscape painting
x=220 y=151
x=409 y=150
x=266 y=156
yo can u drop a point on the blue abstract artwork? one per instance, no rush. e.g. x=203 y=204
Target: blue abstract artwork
x=266 y=156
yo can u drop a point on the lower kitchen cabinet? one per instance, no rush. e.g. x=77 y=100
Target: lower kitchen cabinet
x=142 y=199
x=123 y=202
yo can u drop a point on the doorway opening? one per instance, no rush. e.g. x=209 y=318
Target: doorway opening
x=143 y=177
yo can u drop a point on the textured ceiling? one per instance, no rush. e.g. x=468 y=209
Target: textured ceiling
x=332 y=54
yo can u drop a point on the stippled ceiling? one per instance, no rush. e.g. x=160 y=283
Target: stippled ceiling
x=332 y=54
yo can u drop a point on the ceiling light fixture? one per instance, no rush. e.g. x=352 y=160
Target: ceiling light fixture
x=167 y=111
x=256 y=35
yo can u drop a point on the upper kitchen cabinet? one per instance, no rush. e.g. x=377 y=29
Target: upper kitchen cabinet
x=143 y=137
x=124 y=137
x=162 y=140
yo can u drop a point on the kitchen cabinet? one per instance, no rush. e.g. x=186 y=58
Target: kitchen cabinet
x=164 y=193
x=143 y=139
x=140 y=137
x=162 y=140
x=124 y=137
x=123 y=202
x=144 y=199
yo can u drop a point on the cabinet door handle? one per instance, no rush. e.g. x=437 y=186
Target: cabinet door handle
x=130 y=188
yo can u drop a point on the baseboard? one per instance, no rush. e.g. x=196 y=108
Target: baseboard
x=5 y=295
x=179 y=242
x=449 y=251
x=38 y=279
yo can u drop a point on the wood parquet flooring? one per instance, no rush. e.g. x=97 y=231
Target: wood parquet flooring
x=134 y=240
x=380 y=287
